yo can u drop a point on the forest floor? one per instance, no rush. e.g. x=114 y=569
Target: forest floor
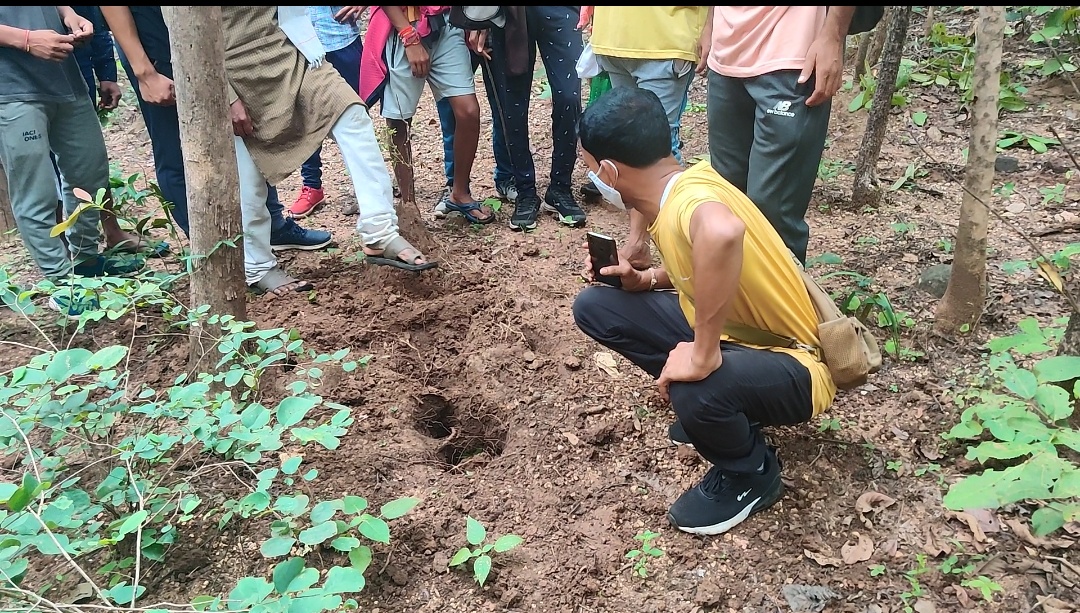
x=555 y=445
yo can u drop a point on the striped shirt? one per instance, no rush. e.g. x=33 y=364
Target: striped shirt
x=332 y=35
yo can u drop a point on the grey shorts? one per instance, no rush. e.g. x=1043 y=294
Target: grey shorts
x=450 y=74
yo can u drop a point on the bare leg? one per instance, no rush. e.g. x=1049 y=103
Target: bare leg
x=466 y=138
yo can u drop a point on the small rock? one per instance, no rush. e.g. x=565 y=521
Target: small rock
x=531 y=251
x=708 y=594
x=1006 y=164
x=686 y=454
x=529 y=356
x=572 y=363
x=934 y=134
x=924 y=606
x=935 y=280
x=809 y=598
x=398 y=575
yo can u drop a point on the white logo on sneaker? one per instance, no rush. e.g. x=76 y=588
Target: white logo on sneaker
x=742 y=495
x=781 y=108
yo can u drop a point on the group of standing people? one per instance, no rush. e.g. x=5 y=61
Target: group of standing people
x=730 y=231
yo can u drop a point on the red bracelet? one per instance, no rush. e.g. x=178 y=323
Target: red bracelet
x=26 y=43
x=409 y=36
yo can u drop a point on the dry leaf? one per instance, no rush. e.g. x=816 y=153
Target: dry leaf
x=82 y=194
x=821 y=559
x=574 y=440
x=872 y=502
x=928 y=450
x=1016 y=206
x=972 y=524
x=988 y=522
x=924 y=606
x=859 y=551
x=932 y=546
x=1051 y=604
x=962 y=598
x=1021 y=530
x=606 y=362
x=910 y=258
x=1050 y=272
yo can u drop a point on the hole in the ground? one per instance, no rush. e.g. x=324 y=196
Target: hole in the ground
x=435 y=416
x=473 y=437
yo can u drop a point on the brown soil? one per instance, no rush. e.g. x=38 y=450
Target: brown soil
x=483 y=399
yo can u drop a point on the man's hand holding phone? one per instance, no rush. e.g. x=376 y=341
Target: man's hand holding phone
x=633 y=280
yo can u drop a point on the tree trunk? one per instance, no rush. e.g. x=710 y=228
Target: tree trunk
x=965 y=297
x=876 y=43
x=928 y=23
x=1070 y=342
x=7 y=219
x=866 y=191
x=860 y=55
x=217 y=278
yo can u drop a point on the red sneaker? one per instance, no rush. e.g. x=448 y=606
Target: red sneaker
x=306 y=202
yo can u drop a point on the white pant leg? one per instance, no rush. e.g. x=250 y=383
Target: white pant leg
x=354 y=134
x=258 y=256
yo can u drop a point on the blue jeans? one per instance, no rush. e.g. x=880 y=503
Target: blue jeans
x=347 y=63
x=498 y=143
x=163 y=125
x=553 y=30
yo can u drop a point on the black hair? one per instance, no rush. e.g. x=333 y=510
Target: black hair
x=626 y=125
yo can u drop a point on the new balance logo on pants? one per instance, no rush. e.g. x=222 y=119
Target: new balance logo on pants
x=781 y=108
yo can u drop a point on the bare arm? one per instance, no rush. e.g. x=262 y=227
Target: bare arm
x=825 y=57
x=837 y=22
x=14 y=38
x=154 y=87
x=122 y=25
x=705 y=43
x=716 y=236
x=397 y=17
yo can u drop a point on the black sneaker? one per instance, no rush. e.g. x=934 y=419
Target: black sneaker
x=563 y=205
x=590 y=193
x=526 y=210
x=722 y=501
x=677 y=434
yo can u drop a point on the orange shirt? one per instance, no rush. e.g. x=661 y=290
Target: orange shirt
x=748 y=41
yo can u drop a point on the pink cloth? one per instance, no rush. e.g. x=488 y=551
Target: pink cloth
x=748 y=41
x=374 y=70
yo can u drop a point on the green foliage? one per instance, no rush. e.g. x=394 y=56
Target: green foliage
x=112 y=469
x=1038 y=144
x=874 y=308
x=1017 y=419
x=476 y=535
x=646 y=551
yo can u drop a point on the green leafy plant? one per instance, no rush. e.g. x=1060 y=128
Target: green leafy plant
x=476 y=534
x=985 y=585
x=1038 y=144
x=113 y=471
x=1017 y=419
x=640 y=556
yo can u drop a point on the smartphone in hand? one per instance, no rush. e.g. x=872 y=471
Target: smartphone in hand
x=603 y=251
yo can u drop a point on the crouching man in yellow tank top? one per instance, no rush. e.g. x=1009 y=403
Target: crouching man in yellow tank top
x=727 y=265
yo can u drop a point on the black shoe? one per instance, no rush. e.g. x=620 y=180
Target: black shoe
x=677 y=434
x=590 y=193
x=563 y=205
x=722 y=501
x=526 y=210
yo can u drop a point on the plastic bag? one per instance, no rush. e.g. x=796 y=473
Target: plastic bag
x=587 y=66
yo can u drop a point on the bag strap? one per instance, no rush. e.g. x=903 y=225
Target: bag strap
x=763 y=338
x=755 y=336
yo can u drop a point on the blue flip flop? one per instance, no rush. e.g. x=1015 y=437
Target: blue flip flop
x=468 y=211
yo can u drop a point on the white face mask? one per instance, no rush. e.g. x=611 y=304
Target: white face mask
x=609 y=193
